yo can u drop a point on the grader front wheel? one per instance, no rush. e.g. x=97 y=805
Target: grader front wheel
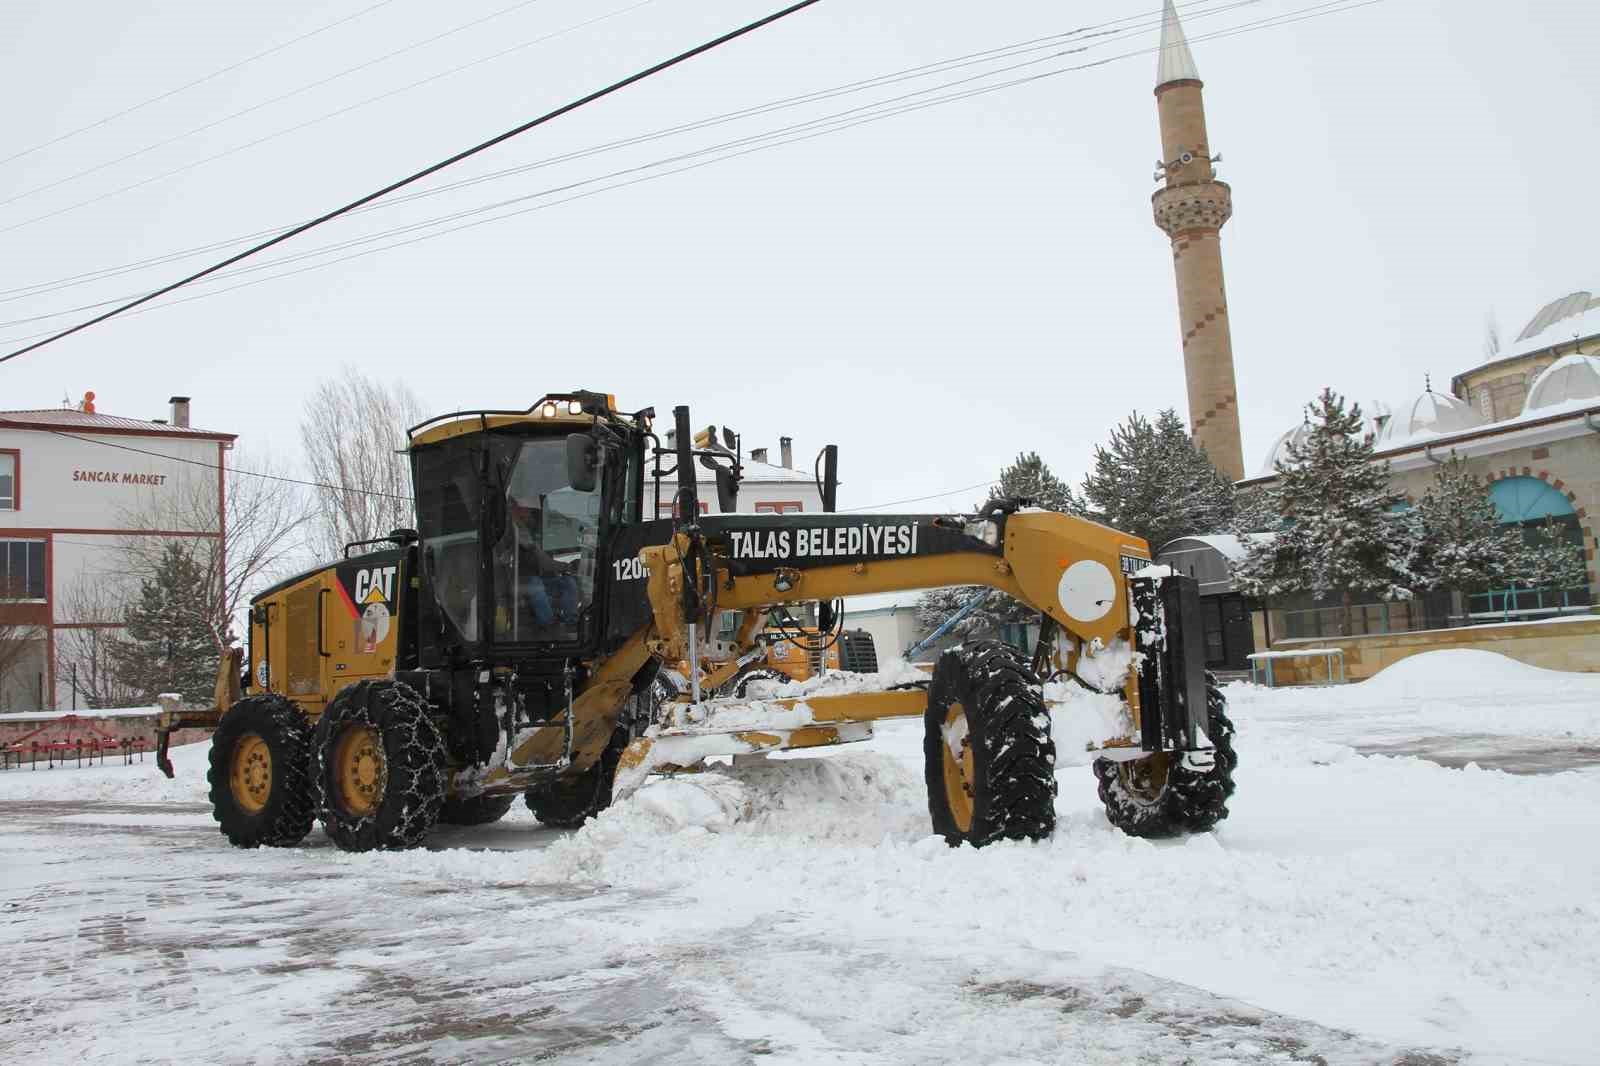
x=989 y=757
x=1157 y=796
x=260 y=755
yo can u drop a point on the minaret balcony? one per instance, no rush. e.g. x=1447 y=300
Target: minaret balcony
x=1202 y=205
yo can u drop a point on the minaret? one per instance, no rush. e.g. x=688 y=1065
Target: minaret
x=1191 y=208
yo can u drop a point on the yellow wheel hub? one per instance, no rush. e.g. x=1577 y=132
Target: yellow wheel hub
x=361 y=773
x=960 y=769
x=250 y=776
x=1145 y=779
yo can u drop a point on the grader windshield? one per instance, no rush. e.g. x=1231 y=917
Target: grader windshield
x=511 y=492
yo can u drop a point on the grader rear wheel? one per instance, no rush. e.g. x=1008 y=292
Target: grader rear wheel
x=989 y=757
x=260 y=755
x=479 y=810
x=1157 y=796
x=380 y=767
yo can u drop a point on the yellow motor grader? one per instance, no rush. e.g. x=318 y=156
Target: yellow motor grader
x=509 y=644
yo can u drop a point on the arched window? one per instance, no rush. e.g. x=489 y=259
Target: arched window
x=1531 y=503
x=1528 y=499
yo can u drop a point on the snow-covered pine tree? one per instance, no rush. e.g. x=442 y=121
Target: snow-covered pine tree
x=1550 y=560
x=1154 y=481
x=1029 y=477
x=1461 y=544
x=1342 y=538
x=167 y=644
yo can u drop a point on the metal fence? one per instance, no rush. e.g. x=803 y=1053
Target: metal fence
x=1432 y=612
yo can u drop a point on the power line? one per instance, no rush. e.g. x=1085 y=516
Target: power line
x=432 y=169
x=919 y=499
x=834 y=123
x=463 y=27
x=941 y=66
x=198 y=462
x=197 y=82
x=315 y=121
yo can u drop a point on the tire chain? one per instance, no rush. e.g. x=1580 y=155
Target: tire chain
x=1191 y=801
x=419 y=773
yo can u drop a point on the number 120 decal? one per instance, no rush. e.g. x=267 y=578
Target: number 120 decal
x=630 y=569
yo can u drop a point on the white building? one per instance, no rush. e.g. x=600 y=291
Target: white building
x=78 y=490
x=767 y=488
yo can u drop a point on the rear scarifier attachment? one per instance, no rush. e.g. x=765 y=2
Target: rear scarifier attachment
x=989 y=756
x=259 y=775
x=380 y=767
x=1159 y=796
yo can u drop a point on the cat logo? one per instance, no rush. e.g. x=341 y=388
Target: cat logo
x=375 y=585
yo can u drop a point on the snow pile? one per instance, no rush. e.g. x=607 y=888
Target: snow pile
x=895 y=672
x=1450 y=691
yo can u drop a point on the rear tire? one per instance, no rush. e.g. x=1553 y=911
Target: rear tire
x=479 y=810
x=381 y=767
x=260 y=773
x=987 y=749
x=567 y=803
x=1157 y=796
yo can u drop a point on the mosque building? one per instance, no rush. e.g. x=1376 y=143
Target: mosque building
x=1527 y=421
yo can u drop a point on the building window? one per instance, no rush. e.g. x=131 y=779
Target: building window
x=10 y=480
x=779 y=507
x=22 y=570
x=668 y=510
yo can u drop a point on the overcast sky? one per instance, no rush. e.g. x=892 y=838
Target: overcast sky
x=934 y=292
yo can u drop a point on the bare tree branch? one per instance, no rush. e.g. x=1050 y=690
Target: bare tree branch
x=353 y=431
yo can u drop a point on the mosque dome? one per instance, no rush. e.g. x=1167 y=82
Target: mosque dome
x=1432 y=413
x=1572 y=377
x=1279 y=452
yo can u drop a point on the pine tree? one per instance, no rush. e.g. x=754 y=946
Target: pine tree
x=1342 y=538
x=1030 y=478
x=1152 y=480
x=1551 y=561
x=167 y=643
x=1461 y=544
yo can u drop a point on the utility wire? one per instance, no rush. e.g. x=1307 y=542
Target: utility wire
x=323 y=118
x=462 y=28
x=942 y=66
x=197 y=82
x=1004 y=51
x=434 y=168
x=9 y=424
x=817 y=127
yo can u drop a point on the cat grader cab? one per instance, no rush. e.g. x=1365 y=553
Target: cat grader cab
x=508 y=646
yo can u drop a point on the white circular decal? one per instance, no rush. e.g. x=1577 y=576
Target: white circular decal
x=261 y=674
x=374 y=627
x=1087 y=591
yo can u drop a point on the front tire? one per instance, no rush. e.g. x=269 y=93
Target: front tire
x=1157 y=796
x=380 y=767
x=987 y=749
x=259 y=774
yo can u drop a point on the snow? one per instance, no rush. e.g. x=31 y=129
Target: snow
x=1352 y=909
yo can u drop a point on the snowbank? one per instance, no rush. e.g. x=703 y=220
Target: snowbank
x=1458 y=666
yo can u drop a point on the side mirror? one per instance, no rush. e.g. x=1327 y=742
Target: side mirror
x=583 y=461
x=727 y=491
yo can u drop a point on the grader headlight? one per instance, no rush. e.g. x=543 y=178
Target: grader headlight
x=984 y=530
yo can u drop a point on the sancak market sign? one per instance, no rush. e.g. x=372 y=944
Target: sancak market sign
x=118 y=477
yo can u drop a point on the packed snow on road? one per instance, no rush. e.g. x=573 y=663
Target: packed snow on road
x=1433 y=900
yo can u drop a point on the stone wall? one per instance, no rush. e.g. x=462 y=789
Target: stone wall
x=1570 y=644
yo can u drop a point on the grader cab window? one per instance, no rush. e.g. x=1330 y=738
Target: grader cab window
x=544 y=562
